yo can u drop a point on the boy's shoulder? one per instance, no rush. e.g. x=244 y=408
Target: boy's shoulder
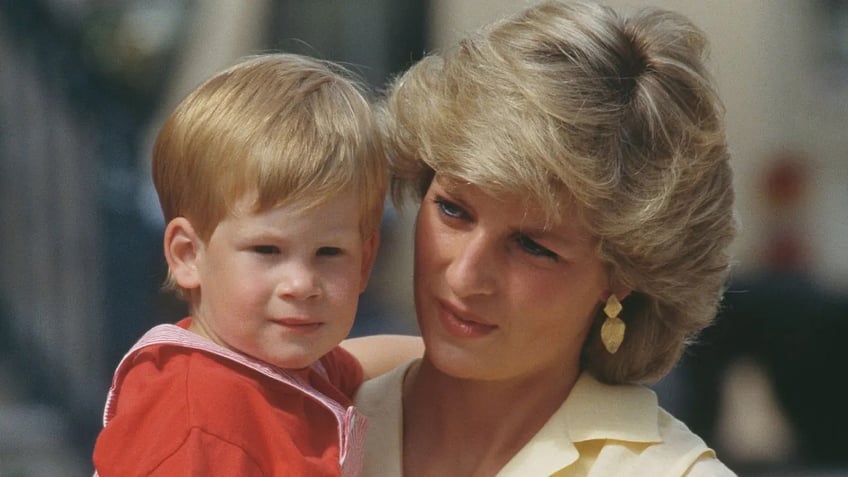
x=171 y=366
x=176 y=388
x=197 y=374
x=179 y=378
x=198 y=371
x=170 y=393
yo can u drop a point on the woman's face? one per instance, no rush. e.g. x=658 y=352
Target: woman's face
x=498 y=295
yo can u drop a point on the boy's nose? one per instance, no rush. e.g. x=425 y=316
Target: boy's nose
x=299 y=282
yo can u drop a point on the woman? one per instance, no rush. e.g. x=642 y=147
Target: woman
x=576 y=210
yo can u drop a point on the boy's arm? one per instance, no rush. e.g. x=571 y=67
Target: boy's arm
x=379 y=354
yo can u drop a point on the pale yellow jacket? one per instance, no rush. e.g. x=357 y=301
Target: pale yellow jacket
x=599 y=431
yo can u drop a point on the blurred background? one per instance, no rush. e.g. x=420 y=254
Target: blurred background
x=85 y=84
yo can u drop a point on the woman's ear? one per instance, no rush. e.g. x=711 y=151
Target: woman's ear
x=182 y=246
x=620 y=292
x=369 y=255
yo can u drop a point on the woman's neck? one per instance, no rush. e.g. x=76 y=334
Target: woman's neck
x=459 y=427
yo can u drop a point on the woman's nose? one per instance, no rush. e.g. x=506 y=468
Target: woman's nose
x=472 y=269
x=298 y=282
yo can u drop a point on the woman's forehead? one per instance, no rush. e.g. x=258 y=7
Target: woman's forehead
x=524 y=209
x=549 y=195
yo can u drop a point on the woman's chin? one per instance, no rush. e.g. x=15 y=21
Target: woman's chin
x=459 y=363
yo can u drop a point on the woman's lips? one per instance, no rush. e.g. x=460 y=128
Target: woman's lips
x=462 y=325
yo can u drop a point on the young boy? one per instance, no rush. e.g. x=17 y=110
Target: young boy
x=271 y=180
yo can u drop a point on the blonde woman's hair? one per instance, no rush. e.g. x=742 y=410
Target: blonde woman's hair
x=282 y=127
x=571 y=104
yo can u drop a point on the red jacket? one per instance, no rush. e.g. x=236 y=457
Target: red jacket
x=182 y=411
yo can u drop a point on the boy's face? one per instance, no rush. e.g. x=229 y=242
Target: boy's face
x=283 y=285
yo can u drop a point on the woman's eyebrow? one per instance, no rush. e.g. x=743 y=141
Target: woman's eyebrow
x=566 y=237
x=450 y=186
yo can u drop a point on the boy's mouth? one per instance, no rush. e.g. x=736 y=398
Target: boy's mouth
x=299 y=324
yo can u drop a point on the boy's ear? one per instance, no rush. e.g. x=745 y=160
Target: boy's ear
x=369 y=255
x=182 y=246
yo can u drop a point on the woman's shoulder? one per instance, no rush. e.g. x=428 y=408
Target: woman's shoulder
x=375 y=393
x=618 y=430
x=650 y=438
x=685 y=449
x=381 y=401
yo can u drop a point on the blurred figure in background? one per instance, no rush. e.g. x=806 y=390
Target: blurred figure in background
x=786 y=323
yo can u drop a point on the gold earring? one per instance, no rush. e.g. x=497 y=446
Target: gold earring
x=612 y=331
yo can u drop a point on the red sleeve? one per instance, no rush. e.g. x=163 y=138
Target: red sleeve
x=343 y=371
x=150 y=421
x=206 y=454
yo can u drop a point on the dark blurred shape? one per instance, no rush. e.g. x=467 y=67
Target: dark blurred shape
x=81 y=263
x=789 y=324
x=785 y=188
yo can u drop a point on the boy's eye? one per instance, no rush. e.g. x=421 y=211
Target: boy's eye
x=329 y=251
x=450 y=209
x=533 y=248
x=266 y=249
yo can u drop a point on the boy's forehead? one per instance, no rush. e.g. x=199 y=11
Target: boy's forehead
x=252 y=202
x=312 y=206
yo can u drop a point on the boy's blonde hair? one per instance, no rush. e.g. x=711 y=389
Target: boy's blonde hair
x=282 y=127
x=569 y=104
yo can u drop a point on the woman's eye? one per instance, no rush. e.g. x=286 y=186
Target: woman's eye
x=266 y=249
x=450 y=209
x=329 y=251
x=533 y=248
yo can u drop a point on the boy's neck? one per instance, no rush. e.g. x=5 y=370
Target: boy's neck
x=196 y=326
